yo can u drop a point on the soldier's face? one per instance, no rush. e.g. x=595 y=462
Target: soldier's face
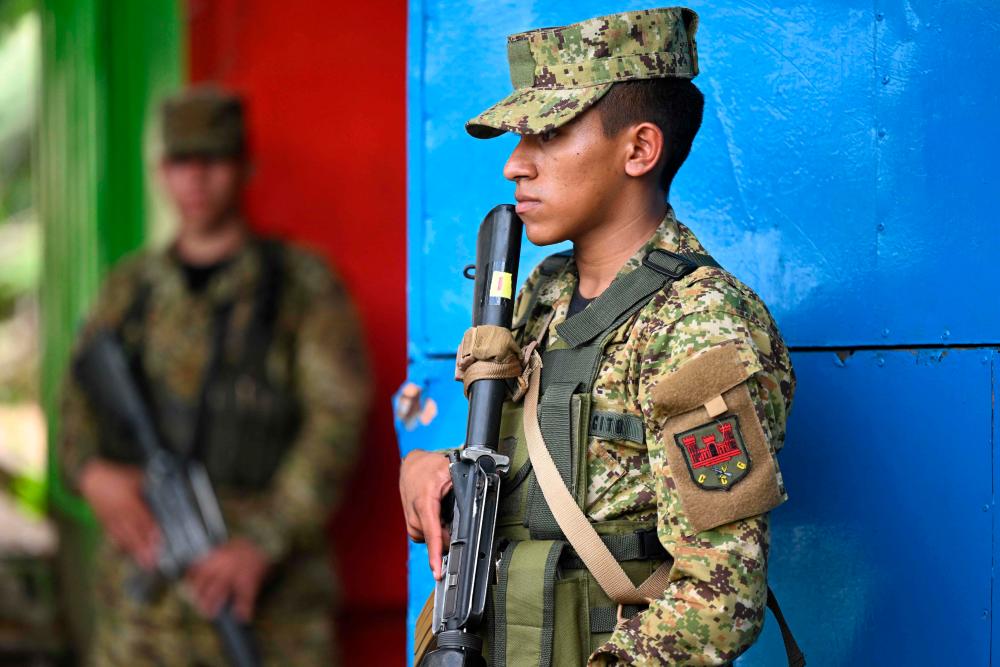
x=568 y=181
x=206 y=191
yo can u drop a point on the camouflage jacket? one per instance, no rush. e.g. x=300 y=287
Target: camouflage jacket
x=714 y=607
x=316 y=353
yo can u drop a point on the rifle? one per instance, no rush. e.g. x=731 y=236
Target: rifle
x=477 y=469
x=178 y=493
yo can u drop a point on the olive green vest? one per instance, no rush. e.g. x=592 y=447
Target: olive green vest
x=546 y=609
x=243 y=421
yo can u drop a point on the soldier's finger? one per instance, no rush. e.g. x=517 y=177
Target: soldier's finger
x=413 y=527
x=148 y=545
x=430 y=520
x=214 y=592
x=245 y=596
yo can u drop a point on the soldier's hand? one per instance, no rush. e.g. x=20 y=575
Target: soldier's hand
x=424 y=480
x=232 y=572
x=114 y=491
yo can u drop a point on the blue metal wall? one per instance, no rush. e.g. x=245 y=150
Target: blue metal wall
x=845 y=171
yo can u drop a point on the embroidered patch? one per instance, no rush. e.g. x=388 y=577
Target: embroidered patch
x=715 y=453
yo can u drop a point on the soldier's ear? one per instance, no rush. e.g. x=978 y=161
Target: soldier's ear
x=643 y=148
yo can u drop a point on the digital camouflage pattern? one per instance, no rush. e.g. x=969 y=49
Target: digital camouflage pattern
x=317 y=354
x=714 y=608
x=558 y=73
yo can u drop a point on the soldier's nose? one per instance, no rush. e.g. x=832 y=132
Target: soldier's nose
x=519 y=164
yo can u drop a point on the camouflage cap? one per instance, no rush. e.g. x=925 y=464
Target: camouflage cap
x=558 y=73
x=203 y=121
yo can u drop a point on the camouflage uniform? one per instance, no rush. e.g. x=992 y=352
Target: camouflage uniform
x=713 y=608
x=315 y=356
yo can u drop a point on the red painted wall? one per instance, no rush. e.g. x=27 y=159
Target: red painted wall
x=325 y=85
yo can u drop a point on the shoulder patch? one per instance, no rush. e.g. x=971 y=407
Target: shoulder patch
x=707 y=410
x=716 y=454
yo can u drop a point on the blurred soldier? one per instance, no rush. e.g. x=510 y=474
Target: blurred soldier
x=250 y=356
x=665 y=383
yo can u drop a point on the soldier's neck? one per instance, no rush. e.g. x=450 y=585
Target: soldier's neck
x=606 y=247
x=206 y=245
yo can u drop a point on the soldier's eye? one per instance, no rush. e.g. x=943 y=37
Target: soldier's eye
x=548 y=135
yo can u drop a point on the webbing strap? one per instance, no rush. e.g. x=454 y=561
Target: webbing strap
x=267 y=302
x=640 y=545
x=574 y=364
x=700 y=260
x=499 y=644
x=617 y=426
x=605 y=619
x=619 y=297
x=556 y=423
x=574 y=524
x=795 y=656
x=657 y=269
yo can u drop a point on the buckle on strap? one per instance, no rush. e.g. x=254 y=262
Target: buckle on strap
x=649 y=544
x=668 y=264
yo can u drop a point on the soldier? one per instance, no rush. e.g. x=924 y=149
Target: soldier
x=252 y=362
x=666 y=383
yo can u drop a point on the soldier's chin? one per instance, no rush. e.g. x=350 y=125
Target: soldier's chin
x=541 y=233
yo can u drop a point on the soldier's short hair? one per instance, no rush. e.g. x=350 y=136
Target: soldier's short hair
x=674 y=105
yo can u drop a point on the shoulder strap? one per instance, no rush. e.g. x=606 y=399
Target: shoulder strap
x=256 y=341
x=574 y=524
x=267 y=300
x=220 y=327
x=136 y=311
x=658 y=269
x=130 y=330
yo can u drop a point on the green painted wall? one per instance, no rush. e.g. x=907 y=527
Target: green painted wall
x=105 y=66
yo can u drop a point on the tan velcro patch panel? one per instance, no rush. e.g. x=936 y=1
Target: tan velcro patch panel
x=701 y=392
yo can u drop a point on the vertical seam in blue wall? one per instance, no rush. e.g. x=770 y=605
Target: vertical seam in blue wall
x=876 y=146
x=994 y=430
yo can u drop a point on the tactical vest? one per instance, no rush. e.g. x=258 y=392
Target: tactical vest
x=243 y=421
x=563 y=620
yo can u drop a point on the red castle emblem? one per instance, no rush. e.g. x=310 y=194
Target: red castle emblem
x=712 y=452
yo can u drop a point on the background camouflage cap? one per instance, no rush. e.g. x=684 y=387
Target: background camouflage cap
x=204 y=121
x=558 y=73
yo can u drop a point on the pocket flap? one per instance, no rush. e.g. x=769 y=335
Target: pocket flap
x=701 y=381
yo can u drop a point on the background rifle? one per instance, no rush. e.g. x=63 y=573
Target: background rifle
x=476 y=469
x=178 y=493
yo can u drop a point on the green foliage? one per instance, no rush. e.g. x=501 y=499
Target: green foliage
x=11 y=12
x=19 y=49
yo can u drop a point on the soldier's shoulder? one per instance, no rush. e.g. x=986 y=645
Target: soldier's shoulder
x=134 y=266
x=128 y=274
x=711 y=290
x=307 y=269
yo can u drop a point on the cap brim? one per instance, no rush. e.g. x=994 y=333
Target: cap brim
x=535 y=110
